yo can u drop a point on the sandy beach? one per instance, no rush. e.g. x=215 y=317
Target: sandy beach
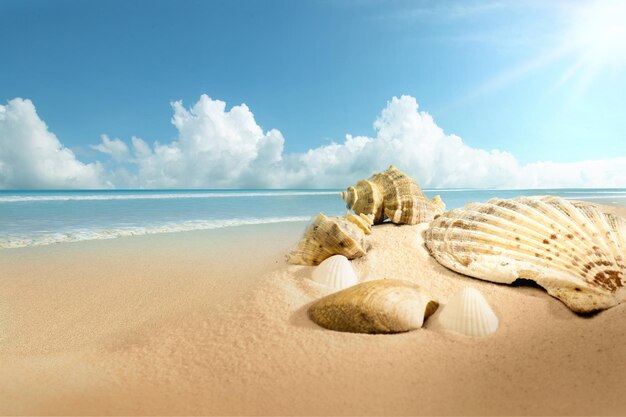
x=215 y=322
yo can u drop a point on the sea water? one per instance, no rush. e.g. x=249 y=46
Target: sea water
x=33 y=218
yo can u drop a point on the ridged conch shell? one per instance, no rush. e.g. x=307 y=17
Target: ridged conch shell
x=392 y=195
x=327 y=236
x=380 y=306
x=572 y=249
x=336 y=272
x=468 y=313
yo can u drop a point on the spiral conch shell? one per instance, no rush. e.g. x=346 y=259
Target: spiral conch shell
x=572 y=249
x=329 y=235
x=392 y=195
x=380 y=306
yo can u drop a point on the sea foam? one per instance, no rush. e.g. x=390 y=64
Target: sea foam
x=158 y=196
x=48 y=238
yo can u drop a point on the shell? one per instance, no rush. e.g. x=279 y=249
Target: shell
x=392 y=195
x=468 y=313
x=365 y=198
x=363 y=222
x=380 y=306
x=327 y=236
x=572 y=249
x=336 y=272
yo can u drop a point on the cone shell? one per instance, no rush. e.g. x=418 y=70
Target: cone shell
x=469 y=313
x=381 y=306
x=335 y=272
x=327 y=236
x=572 y=249
x=392 y=195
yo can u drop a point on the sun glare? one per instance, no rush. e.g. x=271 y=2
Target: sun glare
x=598 y=34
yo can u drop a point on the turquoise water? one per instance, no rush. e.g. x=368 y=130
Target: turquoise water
x=31 y=218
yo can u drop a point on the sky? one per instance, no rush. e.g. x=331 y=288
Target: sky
x=311 y=94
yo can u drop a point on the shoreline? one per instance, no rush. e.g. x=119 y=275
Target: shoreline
x=207 y=227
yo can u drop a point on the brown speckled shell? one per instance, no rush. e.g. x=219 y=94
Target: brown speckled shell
x=572 y=249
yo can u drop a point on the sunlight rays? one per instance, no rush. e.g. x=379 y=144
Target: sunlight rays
x=592 y=41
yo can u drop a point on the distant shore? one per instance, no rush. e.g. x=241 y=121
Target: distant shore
x=214 y=322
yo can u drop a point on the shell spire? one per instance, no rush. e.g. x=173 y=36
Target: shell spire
x=392 y=195
x=573 y=249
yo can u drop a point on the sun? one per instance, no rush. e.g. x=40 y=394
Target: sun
x=596 y=36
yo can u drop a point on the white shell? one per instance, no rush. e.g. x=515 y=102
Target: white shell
x=573 y=249
x=469 y=313
x=336 y=272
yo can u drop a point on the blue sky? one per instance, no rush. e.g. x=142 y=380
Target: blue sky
x=521 y=77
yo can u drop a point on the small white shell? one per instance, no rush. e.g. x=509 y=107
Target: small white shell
x=336 y=272
x=469 y=313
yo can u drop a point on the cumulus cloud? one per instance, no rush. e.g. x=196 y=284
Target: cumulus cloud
x=32 y=157
x=114 y=147
x=218 y=147
x=215 y=148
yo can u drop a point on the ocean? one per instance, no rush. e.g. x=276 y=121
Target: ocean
x=33 y=218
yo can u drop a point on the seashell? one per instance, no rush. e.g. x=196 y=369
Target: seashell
x=380 y=306
x=364 y=222
x=572 y=249
x=365 y=198
x=327 y=236
x=468 y=313
x=336 y=272
x=392 y=195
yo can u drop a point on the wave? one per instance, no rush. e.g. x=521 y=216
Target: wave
x=619 y=197
x=95 y=197
x=98 y=234
x=595 y=192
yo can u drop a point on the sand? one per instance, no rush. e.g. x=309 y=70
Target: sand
x=215 y=323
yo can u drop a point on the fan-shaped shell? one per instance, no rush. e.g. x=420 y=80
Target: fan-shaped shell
x=468 y=313
x=572 y=249
x=336 y=272
x=392 y=195
x=327 y=236
x=380 y=306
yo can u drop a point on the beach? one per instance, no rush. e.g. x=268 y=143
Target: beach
x=215 y=322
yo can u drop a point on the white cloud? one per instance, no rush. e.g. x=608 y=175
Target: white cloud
x=215 y=148
x=220 y=148
x=32 y=157
x=114 y=147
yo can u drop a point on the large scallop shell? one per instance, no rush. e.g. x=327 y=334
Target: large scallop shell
x=468 y=313
x=380 y=306
x=572 y=249
x=392 y=195
x=327 y=236
x=336 y=272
